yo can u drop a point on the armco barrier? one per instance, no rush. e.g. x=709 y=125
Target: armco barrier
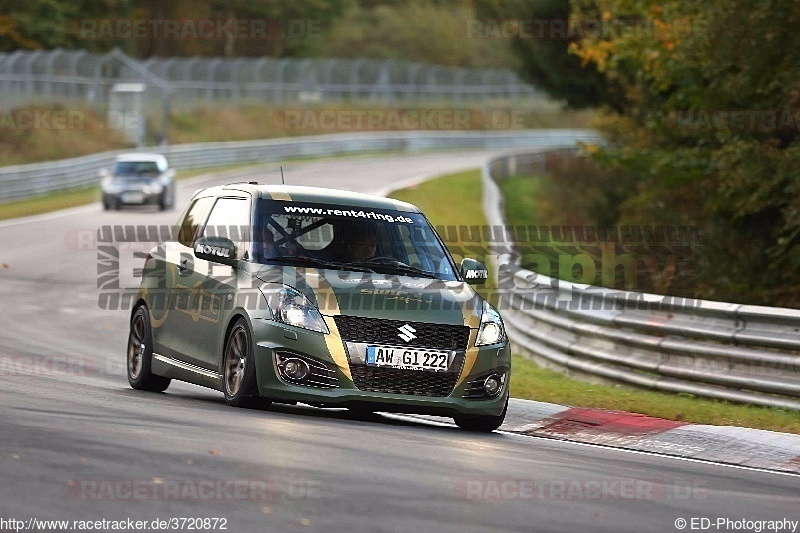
x=720 y=350
x=20 y=181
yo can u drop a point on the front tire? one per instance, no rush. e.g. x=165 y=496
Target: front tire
x=482 y=424
x=239 y=369
x=140 y=354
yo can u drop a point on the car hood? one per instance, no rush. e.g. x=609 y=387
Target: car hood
x=385 y=296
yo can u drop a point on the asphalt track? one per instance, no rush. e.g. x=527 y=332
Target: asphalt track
x=76 y=443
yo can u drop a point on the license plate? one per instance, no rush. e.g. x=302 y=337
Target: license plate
x=132 y=198
x=409 y=358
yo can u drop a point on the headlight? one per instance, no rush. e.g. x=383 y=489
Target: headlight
x=491 y=329
x=291 y=307
x=110 y=186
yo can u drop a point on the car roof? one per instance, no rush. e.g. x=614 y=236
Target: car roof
x=141 y=156
x=316 y=195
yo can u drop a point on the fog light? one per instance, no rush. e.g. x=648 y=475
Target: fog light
x=492 y=385
x=295 y=369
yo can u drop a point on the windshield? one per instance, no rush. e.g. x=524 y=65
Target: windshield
x=136 y=169
x=349 y=238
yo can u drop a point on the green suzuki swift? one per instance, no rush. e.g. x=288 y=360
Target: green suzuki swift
x=329 y=298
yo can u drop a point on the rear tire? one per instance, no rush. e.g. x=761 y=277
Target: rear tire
x=239 y=369
x=482 y=424
x=140 y=354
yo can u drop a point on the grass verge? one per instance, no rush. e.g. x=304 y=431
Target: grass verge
x=49 y=202
x=253 y=121
x=462 y=192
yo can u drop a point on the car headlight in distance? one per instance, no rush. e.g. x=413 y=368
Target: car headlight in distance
x=109 y=186
x=491 y=329
x=291 y=307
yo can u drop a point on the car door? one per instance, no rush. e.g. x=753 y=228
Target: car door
x=178 y=273
x=211 y=287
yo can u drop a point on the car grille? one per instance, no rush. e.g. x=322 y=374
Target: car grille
x=411 y=382
x=378 y=331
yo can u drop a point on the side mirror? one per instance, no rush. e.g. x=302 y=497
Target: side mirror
x=473 y=272
x=216 y=249
x=104 y=173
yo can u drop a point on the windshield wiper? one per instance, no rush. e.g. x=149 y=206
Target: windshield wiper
x=311 y=261
x=398 y=266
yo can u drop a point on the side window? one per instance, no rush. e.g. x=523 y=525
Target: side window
x=194 y=220
x=230 y=218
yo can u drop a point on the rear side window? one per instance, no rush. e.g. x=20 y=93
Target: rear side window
x=230 y=218
x=194 y=219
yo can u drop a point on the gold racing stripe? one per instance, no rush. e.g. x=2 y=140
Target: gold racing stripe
x=329 y=307
x=473 y=320
x=277 y=195
x=400 y=206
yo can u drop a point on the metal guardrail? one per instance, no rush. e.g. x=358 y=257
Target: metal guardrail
x=742 y=353
x=21 y=181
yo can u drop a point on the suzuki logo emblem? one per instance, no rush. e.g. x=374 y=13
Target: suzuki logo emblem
x=406 y=333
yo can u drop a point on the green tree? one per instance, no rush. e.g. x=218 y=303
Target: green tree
x=48 y=24
x=545 y=51
x=293 y=28
x=420 y=30
x=709 y=131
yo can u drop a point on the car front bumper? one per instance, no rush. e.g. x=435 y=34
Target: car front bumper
x=271 y=338
x=132 y=198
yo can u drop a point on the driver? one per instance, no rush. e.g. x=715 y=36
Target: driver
x=363 y=245
x=354 y=242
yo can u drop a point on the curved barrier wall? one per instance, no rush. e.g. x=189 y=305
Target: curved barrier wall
x=743 y=353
